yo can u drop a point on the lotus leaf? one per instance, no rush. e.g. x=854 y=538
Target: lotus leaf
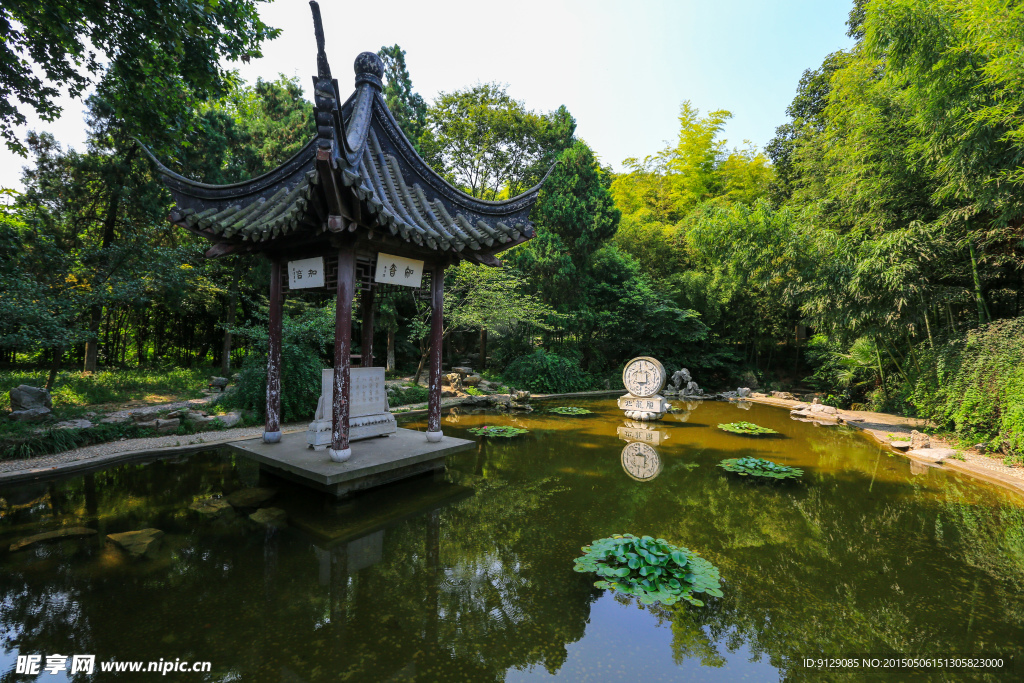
x=565 y=410
x=652 y=569
x=746 y=428
x=502 y=432
x=758 y=467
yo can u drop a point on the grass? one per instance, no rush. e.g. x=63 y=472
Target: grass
x=80 y=389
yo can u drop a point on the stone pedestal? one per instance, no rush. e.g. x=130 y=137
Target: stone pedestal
x=369 y=414
x=644 y=409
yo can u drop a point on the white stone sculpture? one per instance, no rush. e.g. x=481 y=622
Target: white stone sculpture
x=644 y=379
x=369 y=412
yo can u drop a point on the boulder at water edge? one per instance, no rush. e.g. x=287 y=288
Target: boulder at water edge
x=144 y=542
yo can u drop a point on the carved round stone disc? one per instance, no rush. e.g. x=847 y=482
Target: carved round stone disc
x=641 y=461
x=644 y=376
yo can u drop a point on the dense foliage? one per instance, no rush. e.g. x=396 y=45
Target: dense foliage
x=653 y=570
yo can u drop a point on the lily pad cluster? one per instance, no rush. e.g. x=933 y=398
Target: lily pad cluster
x=758 y=467
x=500 y=432
x=652 y=569
x=566 y=410
x=747 y=428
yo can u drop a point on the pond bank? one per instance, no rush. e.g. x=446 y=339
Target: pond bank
x=880 y=426
x=876 y=425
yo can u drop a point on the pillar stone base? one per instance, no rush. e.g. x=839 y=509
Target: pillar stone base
x=271 y=437
x=434 y=437
x=339 y=456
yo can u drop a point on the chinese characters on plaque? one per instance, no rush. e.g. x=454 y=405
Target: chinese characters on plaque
x=395 y=270
x=308 y=272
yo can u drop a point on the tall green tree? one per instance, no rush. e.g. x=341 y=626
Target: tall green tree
x=407 y=106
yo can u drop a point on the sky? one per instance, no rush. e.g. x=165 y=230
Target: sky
x=621 y=68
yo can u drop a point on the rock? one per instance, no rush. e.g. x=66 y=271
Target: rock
x=452 y=379
x=756 y=394
x=73 y=424
x=817 y=408
x=167 y=426
x=219 y=383
x=151 y=424
x=176 y=414
x=449 y=393
x=144 y=542
x=900 y=445
x=785 y=395
x=31 y=415
x=743 y=392
x=462 y=370
x=520 y=396
x=816 y=400
x=24 y=397
x=800 y=406
x=472 y=380
x=115 y=419
x=141 y=416
x=230 y=419
x=211 y=507
x=478 y=400
x=235 y=377
x=250 y=498
x=933 y=454
x=198 y=419
x=274 y=517
x=919 y=440
x=980 y=447
x=67 y=532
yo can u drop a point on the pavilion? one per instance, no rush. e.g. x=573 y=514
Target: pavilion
x=356 y=195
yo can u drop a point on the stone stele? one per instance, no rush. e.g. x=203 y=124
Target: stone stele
x=369 y=413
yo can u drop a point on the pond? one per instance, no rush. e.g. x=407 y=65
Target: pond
x=469 y=576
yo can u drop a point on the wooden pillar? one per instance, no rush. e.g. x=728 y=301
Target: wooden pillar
x=436 y=334
x=339 y=450
x=272 y=428
x=367 y=343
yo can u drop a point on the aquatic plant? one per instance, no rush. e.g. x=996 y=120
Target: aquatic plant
x=654 y=570
x=565 y=410
x=503 y=432
x=747 y=428
x=758 y=467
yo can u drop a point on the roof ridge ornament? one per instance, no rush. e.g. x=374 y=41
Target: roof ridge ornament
x=323 y=69
x=369 y=68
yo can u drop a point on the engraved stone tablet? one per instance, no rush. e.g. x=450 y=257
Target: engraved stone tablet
x=369 y=413
x=651 y=404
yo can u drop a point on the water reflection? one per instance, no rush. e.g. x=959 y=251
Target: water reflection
x=470 y=577
x=641 y=461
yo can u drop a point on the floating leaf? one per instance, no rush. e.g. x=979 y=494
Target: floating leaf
x=501 y=432
x=641 y=567
x=566 y=410
x=746 y=428
x=758 y=467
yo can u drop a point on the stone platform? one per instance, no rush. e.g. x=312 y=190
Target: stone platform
x=374 y=462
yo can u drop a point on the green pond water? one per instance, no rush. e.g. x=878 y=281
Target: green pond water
x=469 y=576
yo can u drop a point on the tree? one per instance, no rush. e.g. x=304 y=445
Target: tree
x=489 y=144
x=141 y=40
x=408 y=107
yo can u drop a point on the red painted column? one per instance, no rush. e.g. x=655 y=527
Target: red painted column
x=367 y=342
x=436 y=334
x=272 y=427
x=339 y=450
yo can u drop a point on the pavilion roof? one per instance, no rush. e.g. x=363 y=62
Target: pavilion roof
x=360 y=167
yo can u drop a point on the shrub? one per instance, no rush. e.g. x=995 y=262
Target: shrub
x=547 y=373
x=977 y=388
x=300 y=384
x=406 y=395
